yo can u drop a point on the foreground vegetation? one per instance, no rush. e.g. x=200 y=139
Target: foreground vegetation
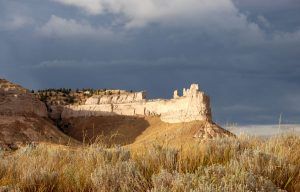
x=228 y=164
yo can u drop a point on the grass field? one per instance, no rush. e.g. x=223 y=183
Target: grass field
x=265 y=130
x=224 y=164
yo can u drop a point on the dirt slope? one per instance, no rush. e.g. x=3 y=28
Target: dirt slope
x=109 y=129
x=140 y=131
x=18 y=130
x=23 y=118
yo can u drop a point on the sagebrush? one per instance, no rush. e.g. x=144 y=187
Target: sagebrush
x=223 y=164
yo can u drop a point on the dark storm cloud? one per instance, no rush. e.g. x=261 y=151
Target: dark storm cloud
x=280 y=14
x=242 y=53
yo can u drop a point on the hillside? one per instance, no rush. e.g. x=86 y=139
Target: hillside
x=24 y=118
x=16 y=130
x=179 y=134
x=130 y=118
x=6 y=85
x=139 y=131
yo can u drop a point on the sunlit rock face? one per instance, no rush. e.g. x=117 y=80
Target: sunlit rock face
x=121 y=98
x=191 y=106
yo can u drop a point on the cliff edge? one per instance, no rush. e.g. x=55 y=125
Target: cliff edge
x=193 y=105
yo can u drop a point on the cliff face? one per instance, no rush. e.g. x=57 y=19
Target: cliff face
x=121 y=98
x=23 y=118
x=191 y=106
x=15 y=100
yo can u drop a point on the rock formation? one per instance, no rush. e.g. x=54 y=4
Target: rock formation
x=120 y=116
x=15 y=100
x=23 y=117
x=191 y=106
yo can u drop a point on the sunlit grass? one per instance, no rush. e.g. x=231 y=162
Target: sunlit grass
x=223 y=164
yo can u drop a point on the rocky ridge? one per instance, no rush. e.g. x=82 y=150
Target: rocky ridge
x=191 y=106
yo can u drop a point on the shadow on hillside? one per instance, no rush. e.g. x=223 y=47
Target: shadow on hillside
x=112 y=130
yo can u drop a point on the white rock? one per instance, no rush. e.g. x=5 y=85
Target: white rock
x=193 y=105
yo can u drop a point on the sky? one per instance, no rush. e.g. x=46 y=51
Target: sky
x=245 y=54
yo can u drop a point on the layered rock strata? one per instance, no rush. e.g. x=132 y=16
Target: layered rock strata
x=15 y=100
x=24 y=118
x=191 y=106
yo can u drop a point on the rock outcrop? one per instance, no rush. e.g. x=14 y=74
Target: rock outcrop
x=121 y=98
x=15 y=100
x=119 y=116
x=193 y=105
x=24 y=118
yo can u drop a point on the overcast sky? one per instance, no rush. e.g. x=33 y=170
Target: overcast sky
x=245 y=54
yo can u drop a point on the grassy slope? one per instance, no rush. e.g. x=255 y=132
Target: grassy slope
x=178 y=134
x=136 y=131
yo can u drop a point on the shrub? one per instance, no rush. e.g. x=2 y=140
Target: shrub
x=243 y=164
x=123 y=176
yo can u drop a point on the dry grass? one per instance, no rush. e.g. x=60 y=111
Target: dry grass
x=228 y=164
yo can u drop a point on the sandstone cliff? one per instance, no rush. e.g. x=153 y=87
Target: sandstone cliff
x=129 y=118
x=193 y=105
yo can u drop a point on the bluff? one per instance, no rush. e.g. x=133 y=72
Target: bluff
x=193 y=105
x=122 y=117
x=113 y=116
x=24 y=118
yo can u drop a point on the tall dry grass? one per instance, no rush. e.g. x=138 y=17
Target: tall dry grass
x=224 y=164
